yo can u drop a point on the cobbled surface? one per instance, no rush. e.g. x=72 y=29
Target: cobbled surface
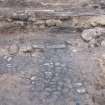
x=51 y=76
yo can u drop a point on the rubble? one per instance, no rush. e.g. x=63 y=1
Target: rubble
x=103 y=43
x=53 y=22
x=93 y=33
x=50 y=22
x=26 y=48
x=81 y=90
x=33 y=78
x=88 y=21
x=97 y=21
x=13 y=49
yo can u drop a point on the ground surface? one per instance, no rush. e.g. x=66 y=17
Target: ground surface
x=54 y=66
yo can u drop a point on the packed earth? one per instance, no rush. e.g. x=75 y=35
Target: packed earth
x=52 y=52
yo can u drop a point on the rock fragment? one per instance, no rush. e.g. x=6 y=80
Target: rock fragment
x=88 y=21
x=26 y=48
x=53 y=22
x=98 y=20
x=59 y=23
x=33 y=78
x=94 y=33
x=8 y=58
x=50 y=22
x=81 y=90
x=42 y=26
x=103 y=43
x=20 y=17
x=78 y=84
x=13 y=49
x=57 y=46
x=38 y=46
x=39 y=22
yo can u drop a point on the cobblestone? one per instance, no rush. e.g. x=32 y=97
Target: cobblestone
x=53 y=82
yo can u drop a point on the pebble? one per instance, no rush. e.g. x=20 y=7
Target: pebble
x=20 y=17
x=9 y=65
x=32 y=82
x=68 y=42
x=103 y=43
x=48 y=74
x=33 y=78
x=46 y=64
x=74 y=50
x=81 y=90
x=60 y=46
x=34 y=54
x=37 y=46
x=9 y=59
x=51 y=63
x=79 y=84
x=9 y=20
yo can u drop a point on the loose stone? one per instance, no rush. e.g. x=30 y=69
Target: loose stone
x=81 y=90
x=33 y=78
x=13 y=49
